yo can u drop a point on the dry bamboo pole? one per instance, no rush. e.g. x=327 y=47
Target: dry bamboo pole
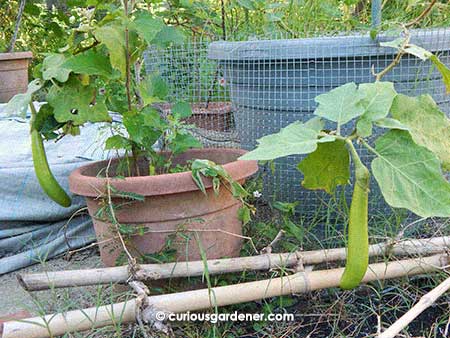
x=60 y=279
x=301 y=282
x=425 y=302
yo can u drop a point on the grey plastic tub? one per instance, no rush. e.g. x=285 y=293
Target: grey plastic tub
x=274 y=82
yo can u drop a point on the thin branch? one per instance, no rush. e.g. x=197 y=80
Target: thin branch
x=12 y=43
x=131 y=260
x=422 y=15
x=127 y=59
x=425 y=302
x=398 y=57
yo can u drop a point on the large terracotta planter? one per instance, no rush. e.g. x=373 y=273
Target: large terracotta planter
x=172 y=202
x=13 y=74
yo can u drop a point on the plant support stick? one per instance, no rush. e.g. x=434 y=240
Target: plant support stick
x=301 y=282
x=149 y=272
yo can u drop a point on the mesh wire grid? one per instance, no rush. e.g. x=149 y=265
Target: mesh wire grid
x=244 y=90
x=194 y=78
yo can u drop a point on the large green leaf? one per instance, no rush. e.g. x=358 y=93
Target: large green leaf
x=327 y=167
x=296 y=138
x=147 y=26
x=182 y=110
x=138 y=129
x=167 y=36
x=118 y=142
x=341 y=104
x=77 y=103
x=429 y=126
x=377 y=99
x=18 y=105
x=153 y=89
x=52 y=68
x=113 y=37
x=410 y=175
x=90 y=62
x=183 y=142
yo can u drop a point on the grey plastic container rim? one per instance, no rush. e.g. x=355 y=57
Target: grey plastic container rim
x=324 y=47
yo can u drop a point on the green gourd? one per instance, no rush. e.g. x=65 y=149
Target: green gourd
x=358 y=238
x=43 y=173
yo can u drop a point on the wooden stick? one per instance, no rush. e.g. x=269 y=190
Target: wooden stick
x=60 y=279
x=424 y=302
x=301 y=282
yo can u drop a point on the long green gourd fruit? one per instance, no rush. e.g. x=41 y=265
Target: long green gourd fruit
x=43 y=173
x=358 y=237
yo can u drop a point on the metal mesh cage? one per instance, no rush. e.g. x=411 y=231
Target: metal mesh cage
x=272 y=83
x=194 y=78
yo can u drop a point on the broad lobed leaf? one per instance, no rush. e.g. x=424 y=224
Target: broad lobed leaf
x=52 y=68
x=341 y=104
x=429 y=126
x=410 y=176
x=77 y=103
x=296 y=138
x=327 y=167
x=113 y=37
x=91 y=62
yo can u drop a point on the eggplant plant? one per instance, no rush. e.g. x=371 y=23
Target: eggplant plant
x=97 y=72
x=409 y=158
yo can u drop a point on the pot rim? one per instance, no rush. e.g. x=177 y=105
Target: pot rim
x=15 y=56
x=164 y=184
x=352 y=44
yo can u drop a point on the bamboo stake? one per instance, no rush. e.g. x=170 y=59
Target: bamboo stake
x=424 y=302
x=60 y=279
x=301 y=282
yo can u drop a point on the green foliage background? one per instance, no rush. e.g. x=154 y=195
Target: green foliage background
x=46 y=24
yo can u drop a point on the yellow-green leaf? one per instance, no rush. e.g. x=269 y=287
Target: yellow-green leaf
x=113 y=37
x=327 y=167
x=429 y=126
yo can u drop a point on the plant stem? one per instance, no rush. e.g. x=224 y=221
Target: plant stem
x=396 y=61
x=422 y=15
x=134 y=149
x=224 y=30
x=127 y=59
x=12 y=43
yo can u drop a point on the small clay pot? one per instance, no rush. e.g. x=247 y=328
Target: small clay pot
x=13 y=74
x=173 y=202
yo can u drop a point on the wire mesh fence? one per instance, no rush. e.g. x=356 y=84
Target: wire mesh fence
x=244 y=90
x=195 y=78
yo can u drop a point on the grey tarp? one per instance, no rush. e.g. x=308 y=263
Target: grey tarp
x=33 y=227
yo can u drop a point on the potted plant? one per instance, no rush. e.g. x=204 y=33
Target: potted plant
x=14 y=65
x=140 y=201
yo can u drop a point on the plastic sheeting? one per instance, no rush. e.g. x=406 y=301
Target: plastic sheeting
x=33 y=228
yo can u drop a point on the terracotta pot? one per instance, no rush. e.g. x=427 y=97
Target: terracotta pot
x=216 y=116
x=172 y=202
x=13 y=74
